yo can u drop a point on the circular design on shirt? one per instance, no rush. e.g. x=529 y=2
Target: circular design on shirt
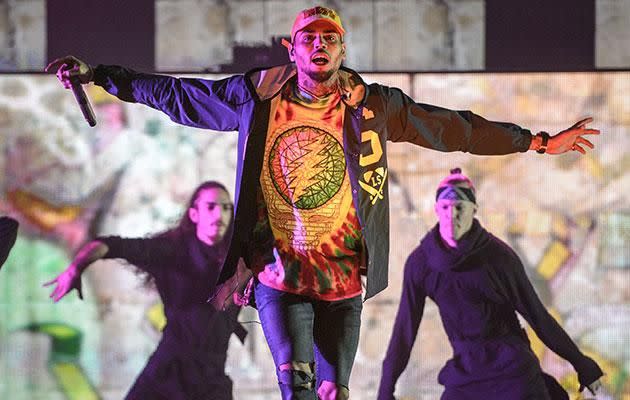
x=307 y=166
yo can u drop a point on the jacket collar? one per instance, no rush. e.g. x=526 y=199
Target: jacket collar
x=267 y=83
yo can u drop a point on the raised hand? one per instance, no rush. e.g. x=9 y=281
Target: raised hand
x=65 y=282
x=69 y=68
x=71 y=277
x=572 y=139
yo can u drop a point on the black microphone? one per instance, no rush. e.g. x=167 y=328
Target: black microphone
x=84 y=102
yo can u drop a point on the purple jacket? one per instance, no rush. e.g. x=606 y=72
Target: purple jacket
x=374 y=115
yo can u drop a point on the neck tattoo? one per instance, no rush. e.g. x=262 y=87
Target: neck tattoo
x=308 y=94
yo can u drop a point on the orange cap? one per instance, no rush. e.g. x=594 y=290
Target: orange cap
x=318 y=13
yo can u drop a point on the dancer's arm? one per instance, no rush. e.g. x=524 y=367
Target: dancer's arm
x=521 y=293
x=405 y=328
x=70 y=278
x=147 y=254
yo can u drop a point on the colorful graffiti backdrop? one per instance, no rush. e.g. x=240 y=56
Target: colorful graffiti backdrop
x=567 y=216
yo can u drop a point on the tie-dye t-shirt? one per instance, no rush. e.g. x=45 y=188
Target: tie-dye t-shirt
x=306 y=202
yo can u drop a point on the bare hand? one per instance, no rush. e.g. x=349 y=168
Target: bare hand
x=69 y=68
x=66 y=281
x=229 y=292
x=71 y=277
x=571 y=139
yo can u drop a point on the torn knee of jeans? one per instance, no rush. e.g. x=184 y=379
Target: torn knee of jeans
x=297 y=374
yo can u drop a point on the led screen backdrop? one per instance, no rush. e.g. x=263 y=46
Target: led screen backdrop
x=566 y=216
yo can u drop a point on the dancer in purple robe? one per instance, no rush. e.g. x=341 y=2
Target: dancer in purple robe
x=478 y=284
x=189 y=362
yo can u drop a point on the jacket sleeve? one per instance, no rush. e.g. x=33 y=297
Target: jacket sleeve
x=199 y=103
x=147 y=254
x=520 y=292
x=446 y=130
x=405 y=328
x=8 y=235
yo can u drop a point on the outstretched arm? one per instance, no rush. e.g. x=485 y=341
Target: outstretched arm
x=522 y=295
x=147 y=254
x=199 y=103
x=70 y=278
x=447 y=130
x=405 y=329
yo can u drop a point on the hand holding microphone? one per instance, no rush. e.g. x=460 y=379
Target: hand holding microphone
x=72 y=73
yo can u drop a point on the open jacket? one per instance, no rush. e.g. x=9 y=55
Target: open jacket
x=374 y=115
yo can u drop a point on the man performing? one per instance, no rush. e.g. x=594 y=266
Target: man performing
x=312 y=208
x=189 y=362
x=478 y=283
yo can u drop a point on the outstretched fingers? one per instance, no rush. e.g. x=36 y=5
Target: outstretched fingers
x=579 y=149
x=58 y=292
x=582 y=123
x=49 y=282
x=54 y=295
x=580 y=144
x=586 y=142
x=54 y=65
x=589 y=132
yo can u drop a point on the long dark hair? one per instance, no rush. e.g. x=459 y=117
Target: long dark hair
x=186 y=228
x=185 y=225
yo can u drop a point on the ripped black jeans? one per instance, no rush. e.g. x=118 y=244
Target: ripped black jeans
x=303 y=332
